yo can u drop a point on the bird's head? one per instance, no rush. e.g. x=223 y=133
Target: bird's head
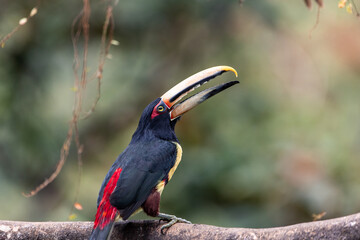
x=159 y=117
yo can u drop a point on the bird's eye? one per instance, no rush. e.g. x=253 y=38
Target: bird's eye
x=160 y=108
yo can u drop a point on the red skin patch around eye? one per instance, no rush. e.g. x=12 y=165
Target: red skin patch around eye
x=155 y=112
x=106 y=213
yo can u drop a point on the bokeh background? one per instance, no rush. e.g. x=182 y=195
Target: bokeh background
x=271 y=151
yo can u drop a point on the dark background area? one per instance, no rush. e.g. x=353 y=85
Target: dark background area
x=271 y=151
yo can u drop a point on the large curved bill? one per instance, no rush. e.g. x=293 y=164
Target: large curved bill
x=172 y=96
x=198 y=98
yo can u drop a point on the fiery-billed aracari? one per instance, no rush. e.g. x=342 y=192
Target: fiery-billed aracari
x=138 y=176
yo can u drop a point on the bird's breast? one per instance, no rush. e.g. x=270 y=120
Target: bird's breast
x=177 y=161
x=160 y=186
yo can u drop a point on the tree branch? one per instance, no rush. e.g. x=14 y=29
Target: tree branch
x=339 y=228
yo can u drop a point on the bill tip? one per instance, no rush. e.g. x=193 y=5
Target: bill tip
x=227 y=68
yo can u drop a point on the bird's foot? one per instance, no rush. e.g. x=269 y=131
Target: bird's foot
x=172 y=220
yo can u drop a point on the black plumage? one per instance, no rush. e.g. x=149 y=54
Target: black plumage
x=146 y=161
x=139 y=174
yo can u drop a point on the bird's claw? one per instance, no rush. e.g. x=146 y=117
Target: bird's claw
x=172 y=220
x=163 y=219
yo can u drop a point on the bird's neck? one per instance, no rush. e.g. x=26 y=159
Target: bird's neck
x=147 y=135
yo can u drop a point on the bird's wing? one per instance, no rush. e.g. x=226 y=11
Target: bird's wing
x=133 y=190
x=137 y=179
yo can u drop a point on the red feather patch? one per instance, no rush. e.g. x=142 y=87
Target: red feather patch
x=106 y=213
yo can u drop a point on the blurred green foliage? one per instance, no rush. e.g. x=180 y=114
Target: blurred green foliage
x=282 y=145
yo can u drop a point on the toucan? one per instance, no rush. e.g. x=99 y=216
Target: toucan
x=137 y=178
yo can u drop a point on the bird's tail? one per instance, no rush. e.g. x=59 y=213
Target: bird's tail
x=106 y=213
x=104 y=221
x=104 y=233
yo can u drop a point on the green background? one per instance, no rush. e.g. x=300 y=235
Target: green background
x=271 y=151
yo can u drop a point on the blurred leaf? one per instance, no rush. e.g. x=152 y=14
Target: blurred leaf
x=78 y=206
x=342 y=3
x=319 y=216
x=72 y=217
